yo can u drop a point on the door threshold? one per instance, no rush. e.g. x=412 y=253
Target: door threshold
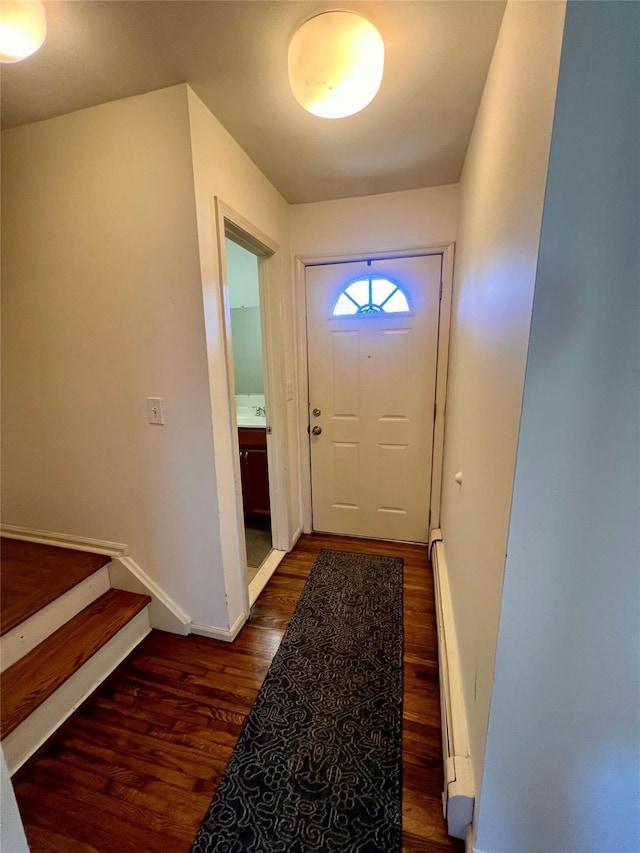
x=424 y=544
x=264 y=574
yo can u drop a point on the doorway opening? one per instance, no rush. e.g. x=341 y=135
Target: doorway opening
x=250 y=402
x=252 y=479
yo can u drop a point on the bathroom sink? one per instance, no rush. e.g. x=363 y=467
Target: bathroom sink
x=251 y=420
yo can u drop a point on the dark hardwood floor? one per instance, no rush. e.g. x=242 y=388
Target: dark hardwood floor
x=135 y=768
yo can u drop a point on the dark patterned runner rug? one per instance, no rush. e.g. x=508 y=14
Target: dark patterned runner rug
x=318 y=765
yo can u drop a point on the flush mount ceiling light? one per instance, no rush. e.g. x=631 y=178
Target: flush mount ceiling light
x=23 y=27
x=335 y=64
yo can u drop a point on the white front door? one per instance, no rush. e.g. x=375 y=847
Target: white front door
x=372 y=378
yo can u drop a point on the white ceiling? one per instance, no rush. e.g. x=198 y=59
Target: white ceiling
x=233 y=53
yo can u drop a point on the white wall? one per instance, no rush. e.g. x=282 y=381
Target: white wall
x=111 y=293
x=562 y=770
x=502 y=193
x=246 y=326
x=375 y=223
x=102 y=307
x=223 y=170
x=242 y=273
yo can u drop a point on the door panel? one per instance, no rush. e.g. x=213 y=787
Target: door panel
x=372 y=376
x=345 y=362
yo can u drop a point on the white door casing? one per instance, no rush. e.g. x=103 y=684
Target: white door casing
x=373 y=378
x=232 y=224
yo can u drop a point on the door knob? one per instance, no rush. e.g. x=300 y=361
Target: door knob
x=316 y=430
x=316 y=413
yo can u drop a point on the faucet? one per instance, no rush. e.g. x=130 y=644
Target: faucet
x=260 y=410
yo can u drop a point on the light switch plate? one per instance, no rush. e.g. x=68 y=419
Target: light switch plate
x=289 y=390
x=155 y=410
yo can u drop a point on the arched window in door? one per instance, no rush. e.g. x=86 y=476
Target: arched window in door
x=371 y=295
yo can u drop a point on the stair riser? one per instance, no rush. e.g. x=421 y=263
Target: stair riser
x=43 y=722
x=30 y=633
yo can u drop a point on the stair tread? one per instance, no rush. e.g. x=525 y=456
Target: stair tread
x=34 y=575
x=32 y=679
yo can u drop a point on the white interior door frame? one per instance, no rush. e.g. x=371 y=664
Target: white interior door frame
x=301 y=262
x=231 y=224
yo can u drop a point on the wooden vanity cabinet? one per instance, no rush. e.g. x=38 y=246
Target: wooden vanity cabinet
x=254 y=471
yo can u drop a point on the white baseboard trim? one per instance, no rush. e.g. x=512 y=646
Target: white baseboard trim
x=164 y=613
x=264 y=574
x=43 y=722
x=435 y=535
x=219 y=633
x=28 y=634
x=459 y=790
x=63 y=540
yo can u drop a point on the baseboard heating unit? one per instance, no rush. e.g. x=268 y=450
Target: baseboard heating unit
x=459 y=795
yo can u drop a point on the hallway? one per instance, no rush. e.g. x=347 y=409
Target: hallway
x=135 y=768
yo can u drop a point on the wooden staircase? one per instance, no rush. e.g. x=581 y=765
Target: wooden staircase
x=63 y=630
